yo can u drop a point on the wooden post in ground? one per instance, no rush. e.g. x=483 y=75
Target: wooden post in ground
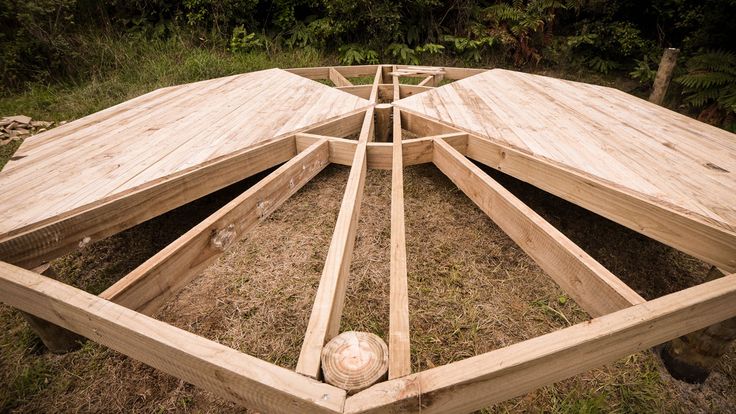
x=57 y=339
x=354 y=361
x=383 y=122
x=664 y=75
x=691 y=357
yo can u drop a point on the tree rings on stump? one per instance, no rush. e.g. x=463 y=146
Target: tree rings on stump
x=354 y=361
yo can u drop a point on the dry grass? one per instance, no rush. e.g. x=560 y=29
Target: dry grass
x=471 y=290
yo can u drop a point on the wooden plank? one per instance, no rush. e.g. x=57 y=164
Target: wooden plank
x=498 y=375
x=227 y=373
x=422 y=126
x=712 y=245
x=362 y=91
x=337 y=78
x=324 y=321
x=324 y=72
x=670 y=164
x=396 y=88
x=341 y=127
x=380 y=154
x=58 y=235
x=399 y=357
x=149 y=286
x=593 y=287
x=426 y=81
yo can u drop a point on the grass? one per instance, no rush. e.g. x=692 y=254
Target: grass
x=471 y=288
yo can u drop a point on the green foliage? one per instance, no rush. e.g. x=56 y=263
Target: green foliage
x=242 y=41
x=401 y=53
x=355 y=54
x=643 y=72
x=710 y=84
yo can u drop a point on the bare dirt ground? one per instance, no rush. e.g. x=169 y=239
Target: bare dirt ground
x=471 y=290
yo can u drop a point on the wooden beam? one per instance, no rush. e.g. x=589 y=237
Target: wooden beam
x=324 y=72
x=377 y=78
x=385 y=90
x=149 y=286
x=341 y=127
x=703 y=240
x=324 y=321
x=383 y=122
x=593 y=287
x=426 y=81
x=227 y=373
x=337 y=78
x=361 y=91
x=399 y=351
x=380 y=154
x=496 y=376
x=49 y=239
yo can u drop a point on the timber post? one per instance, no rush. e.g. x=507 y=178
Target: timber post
x=664 y=75
x=56 y=339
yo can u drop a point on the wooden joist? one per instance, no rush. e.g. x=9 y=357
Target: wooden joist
x=337 y=78
x=385 y=90
x=52 y=238
x=227 y=373
x=495 y=376
x=593 y=287
x=399 y=361
x=380 y=154
x=150 y=285
x=324 y=321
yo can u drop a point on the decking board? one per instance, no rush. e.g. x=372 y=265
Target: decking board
x=617 y=140
x=157 y=135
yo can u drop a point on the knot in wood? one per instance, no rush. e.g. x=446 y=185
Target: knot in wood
x=223 y=238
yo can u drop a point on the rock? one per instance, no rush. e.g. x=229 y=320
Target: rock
x=22 y=131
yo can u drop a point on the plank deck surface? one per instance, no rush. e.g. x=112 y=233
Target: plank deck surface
x=141 y=141
x=612 y=137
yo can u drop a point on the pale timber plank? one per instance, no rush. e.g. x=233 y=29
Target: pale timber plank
x=227 y=373
x=592 y=287
x=56 y=236
x=151 y=284
x=337 y=78
x=399 y=356
x=498 y=375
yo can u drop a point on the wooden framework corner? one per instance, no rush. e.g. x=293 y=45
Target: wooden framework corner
x=622 y=322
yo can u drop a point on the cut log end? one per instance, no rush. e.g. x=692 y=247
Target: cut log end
x=354 y=361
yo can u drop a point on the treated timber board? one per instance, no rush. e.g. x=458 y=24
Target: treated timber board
x=635 y=149
x=227 y=373
x=56 y=236
x=399 y=351
x=380 y=154
x=149 y=139
x=592 y=287
x=496 y=376
x=150 y=285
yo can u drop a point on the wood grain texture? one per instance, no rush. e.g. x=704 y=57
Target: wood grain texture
x=51 y=238
x=592 y=287
x=151 y=284
x=157 y=136
x=227 y=373
x=399 y=362
x=665 y=160
x=496 y=376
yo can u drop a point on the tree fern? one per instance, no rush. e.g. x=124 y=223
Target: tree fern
x=710 y=79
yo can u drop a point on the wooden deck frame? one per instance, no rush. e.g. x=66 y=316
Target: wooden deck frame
x=623 y=322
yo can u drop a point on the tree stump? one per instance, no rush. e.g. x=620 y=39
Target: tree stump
x=354 y=361
x=691 y=357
